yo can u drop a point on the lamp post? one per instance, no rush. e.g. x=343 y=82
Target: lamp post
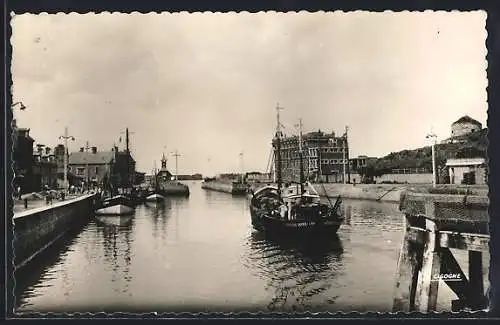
x=66 y=137
x=22 y=107
x=344 y=154
x=87 y=180
x=176 y=155
x=241 y=167
x=433 y=136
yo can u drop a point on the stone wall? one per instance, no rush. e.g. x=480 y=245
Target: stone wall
x=36 y=229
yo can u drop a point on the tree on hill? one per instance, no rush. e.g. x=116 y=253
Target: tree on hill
x=474 y=145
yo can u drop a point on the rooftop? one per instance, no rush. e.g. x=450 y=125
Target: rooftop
x=98 y=158
x=467 y=119
x=465 y=161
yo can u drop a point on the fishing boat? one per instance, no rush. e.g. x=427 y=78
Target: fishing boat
x=293 y=208
x=168 y=185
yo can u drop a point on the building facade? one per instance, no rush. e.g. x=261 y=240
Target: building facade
x=22 y=156
x=467 y=171
x=91 y=167
x=360 y=162
x=464 y=126
x=44 y=168
x=324 y=157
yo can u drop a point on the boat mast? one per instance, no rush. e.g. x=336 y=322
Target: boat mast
x=278 y=147
x=301 y=163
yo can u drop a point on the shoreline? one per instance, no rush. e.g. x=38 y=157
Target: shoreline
x=389 y=193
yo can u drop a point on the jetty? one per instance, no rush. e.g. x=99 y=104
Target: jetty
x=436 y=221
x=220 y=184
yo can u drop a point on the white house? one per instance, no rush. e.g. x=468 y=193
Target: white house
x=459 y=166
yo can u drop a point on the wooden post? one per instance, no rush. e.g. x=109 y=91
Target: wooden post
x=407 y=272
x=426 y=259
x=427 y=286
x=476 y=298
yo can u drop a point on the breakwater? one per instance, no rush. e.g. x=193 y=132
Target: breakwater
x=36 y=229
x=172 y=188
x=226 y=186
x=380 y=192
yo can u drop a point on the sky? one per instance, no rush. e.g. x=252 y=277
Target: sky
x=208 y=84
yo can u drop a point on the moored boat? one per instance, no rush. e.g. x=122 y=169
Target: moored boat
x=293 y=209
x=117 y=200
x=112 y=220
x=166 y=184
x=155 y=198
x=114 y=210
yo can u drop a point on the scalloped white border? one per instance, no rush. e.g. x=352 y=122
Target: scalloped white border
x=231 y=315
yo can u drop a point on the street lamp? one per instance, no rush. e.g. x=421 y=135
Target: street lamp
x=241 y=167
x=66 y=137
x=176 y=155
x=22 y=107
x=433 y=136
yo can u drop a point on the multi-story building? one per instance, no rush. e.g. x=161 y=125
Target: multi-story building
x=124 y=168
x=23 y=159
x=44 y=168
x=91 y=166
x=324 y=157
x=359 y=162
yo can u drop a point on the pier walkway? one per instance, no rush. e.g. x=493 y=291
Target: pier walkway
x=436 y=223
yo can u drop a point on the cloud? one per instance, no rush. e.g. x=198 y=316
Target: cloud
x=207 y=84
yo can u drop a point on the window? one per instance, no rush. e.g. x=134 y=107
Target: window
x=96 y=170
x=80 y=171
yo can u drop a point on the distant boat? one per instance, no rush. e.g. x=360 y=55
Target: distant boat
x=115 y=210
x=155 y=198
x=164 y=183
x=295 y=209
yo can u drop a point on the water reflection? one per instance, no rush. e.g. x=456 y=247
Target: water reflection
x=159 y=213
x=298 y=274
x=116 y=239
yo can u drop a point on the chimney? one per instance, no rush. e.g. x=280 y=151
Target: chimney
x=94 y=149
x=81 y=149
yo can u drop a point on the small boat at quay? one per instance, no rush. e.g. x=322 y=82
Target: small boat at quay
x=165 y=183
x=155 y=198
x=115 y=221
x=293 y=210
x=117 y=200
x=115 y=210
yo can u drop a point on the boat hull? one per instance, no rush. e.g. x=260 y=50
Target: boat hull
x=155 y=198
x=117 y=200
x=118 y=221
x=115 y=210
x=172 y=188
x=280 y=227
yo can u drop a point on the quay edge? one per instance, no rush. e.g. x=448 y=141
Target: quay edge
x=390 y=193
x=231 y=187
x=35 y=230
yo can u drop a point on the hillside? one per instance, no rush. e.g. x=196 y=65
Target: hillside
x=475 y=145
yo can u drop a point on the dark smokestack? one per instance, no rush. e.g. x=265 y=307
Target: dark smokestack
x=94 y=149
x=81 y=149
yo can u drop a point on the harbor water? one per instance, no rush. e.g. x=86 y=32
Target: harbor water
x=201 y=254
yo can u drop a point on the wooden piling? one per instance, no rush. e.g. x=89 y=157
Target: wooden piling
x=434 y=223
